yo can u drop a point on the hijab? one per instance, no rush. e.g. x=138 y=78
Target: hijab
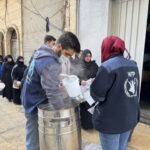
x=9 y=56
x=84 y=53
x=18 y=62
x=111 y=45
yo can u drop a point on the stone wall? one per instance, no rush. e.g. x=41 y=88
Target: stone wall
x=10 y=18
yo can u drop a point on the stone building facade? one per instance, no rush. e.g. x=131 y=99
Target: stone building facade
x=10 y=27
x=23 y=25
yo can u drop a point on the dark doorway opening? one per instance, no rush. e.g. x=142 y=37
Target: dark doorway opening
x=2 y=47
x=145 y=85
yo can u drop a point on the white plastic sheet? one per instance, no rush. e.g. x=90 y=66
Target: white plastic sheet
x=92 y=147
x=86 y=92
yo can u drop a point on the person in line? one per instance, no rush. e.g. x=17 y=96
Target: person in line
x=88 y=71
x=17 y=75
x=1 y=62
x=42 y=82
x=5 y=59
x=6 y=77
x=116 y=92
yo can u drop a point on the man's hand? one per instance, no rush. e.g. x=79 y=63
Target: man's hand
x=92 y=80
x=61 y=86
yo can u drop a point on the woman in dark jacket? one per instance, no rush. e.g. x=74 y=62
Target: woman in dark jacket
x=17 y=75
x=88 y=68
x=6 y=77
x=1 y=62
x=116 y=92
x=88 y=71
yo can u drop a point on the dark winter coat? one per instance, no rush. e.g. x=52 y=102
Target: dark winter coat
x=6 y=78
x=116 y=89
x=1 y=62
x=0 y=71
x=88 y=70
x=17 y=74
x=18 y=71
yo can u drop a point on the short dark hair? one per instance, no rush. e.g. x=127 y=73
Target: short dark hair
x=49 y=38
x=69 y=40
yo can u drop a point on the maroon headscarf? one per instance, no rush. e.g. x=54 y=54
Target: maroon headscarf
x=111 y=45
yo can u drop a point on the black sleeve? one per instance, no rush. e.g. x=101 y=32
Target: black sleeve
x=101 y=85
x=95 y=69
x=25 y=67
x=24 y=76
x=14 y=74
x=3 y=72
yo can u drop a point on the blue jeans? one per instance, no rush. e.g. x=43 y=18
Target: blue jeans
x=114 y=141
x=32 y=133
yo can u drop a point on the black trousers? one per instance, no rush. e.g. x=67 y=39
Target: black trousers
x=86 y=117
x=16 y=96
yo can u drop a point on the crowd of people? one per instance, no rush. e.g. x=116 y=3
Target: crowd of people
x=114 y=86
x=11 y=74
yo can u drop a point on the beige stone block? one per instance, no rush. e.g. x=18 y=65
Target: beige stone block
x=90 y=136
x=141 y=137
x=16 y=137
x=5 y=145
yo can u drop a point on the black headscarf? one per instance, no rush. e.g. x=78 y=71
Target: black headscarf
x=9 y=56
x=5 y=59
x=18 y=62
x=1 y=59
x=85 y=52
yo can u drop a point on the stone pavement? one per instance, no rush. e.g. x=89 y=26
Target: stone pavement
x=140 y=139
x=12 y=131
x=12 y=126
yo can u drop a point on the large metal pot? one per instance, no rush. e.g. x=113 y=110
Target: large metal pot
x=59 y=129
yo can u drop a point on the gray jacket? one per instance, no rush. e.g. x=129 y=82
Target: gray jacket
x=42 y=81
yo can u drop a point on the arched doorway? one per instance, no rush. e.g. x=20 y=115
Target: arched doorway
x=12 y=43
x=2 y=47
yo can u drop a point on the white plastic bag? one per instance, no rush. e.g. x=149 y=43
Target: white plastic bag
x=92 y=147
x=71 y=84
x=91 y=110
x=2 y=86
x=86 y=93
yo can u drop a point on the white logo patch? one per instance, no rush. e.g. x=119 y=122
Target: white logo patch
x=131 y=85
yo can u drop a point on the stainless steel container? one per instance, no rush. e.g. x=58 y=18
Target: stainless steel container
x=59 y=129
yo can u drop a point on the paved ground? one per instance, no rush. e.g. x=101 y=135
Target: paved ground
x=12 y=126
x=12 y=131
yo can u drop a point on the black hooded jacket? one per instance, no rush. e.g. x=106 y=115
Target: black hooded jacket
x=18 y=70
x=6 y=77
x=87 y=69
